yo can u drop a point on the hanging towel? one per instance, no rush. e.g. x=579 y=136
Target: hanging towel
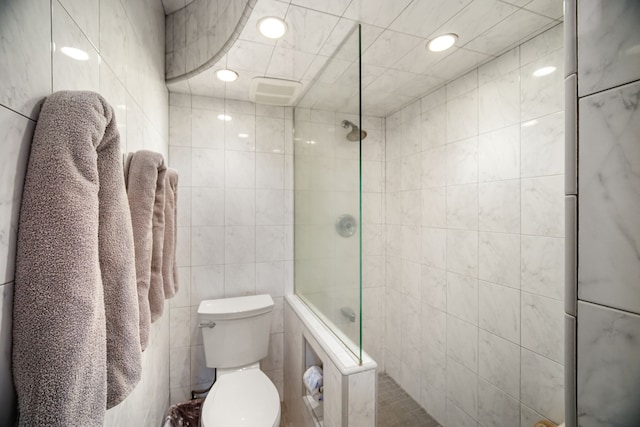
x=145 y=175
x=169 y=269
x=74 y=253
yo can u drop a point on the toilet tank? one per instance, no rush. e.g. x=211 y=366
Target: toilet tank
x=235 y=331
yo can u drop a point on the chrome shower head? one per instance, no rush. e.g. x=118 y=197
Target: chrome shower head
x=356 y=134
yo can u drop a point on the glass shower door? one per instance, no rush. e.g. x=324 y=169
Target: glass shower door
x=327 y=195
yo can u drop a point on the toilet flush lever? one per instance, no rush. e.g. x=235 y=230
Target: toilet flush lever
x=209 y=324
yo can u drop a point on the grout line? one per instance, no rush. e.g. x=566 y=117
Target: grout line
x=520 y=212
x=18 y=112
x=446 y=250
x=477 y=349
x=612 y=88
x=624 y=311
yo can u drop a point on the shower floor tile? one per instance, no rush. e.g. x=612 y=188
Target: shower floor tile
x=397 y=409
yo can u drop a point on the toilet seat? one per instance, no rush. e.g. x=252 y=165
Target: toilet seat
x=245 y=398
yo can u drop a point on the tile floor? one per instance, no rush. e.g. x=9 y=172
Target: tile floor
x=397 y=409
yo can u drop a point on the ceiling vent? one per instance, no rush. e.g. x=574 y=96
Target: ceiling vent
x=269 y=91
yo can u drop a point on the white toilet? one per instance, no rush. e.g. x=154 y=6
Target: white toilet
x=236 y=337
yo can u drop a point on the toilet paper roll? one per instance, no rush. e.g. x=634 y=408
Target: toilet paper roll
x=312 y=379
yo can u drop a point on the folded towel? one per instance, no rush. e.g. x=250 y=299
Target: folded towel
x=74 y=252
x=145 y=175
x=169 y=269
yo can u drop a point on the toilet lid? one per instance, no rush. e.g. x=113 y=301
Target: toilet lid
x=242 y=399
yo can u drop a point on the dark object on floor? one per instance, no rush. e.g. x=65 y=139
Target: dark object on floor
x=185 y=414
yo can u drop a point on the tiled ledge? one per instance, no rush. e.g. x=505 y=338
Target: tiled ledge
x=338 y=352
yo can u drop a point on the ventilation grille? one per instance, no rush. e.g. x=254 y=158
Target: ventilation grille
x=270 y=91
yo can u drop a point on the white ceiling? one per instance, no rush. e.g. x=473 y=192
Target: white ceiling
x=397 y=69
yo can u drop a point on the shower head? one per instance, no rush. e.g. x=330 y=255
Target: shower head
x=356 y=134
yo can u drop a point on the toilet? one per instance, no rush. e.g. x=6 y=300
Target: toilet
x=236 y=337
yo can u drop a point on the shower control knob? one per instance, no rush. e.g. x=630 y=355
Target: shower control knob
x=346 y=225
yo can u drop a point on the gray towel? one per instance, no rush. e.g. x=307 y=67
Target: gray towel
x=74 y=252
x=145 y=175
x=169 y=269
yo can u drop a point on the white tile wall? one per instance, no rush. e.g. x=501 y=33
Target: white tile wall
x=122 y=44
x=495 y=407
x=608 y=202
x=488 y=203
x=542 y=384
x=26 y=64
x=236 y=220
x=607 y=349
x=607 y=36
x=608 y=299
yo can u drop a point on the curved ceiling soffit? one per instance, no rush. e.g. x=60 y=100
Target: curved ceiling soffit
x=185 y=57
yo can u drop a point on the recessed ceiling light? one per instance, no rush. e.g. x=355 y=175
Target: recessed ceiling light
x=442 y=42
x=544 y=71
x=75 y=53
x=224 y=117
x=272 y=27
x=227 y=75
x=243 y=135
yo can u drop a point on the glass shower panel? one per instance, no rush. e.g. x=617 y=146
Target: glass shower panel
x=327 y=194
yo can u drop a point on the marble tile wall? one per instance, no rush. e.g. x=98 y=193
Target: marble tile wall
x=609 y=176
x=608 y=372
x=608 y=52
x=604 y=367
x=122 y=42
x=235 y=225
x=474 y=242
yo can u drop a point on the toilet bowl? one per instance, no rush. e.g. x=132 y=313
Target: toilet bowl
x=236 y=335
x=244 y=398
